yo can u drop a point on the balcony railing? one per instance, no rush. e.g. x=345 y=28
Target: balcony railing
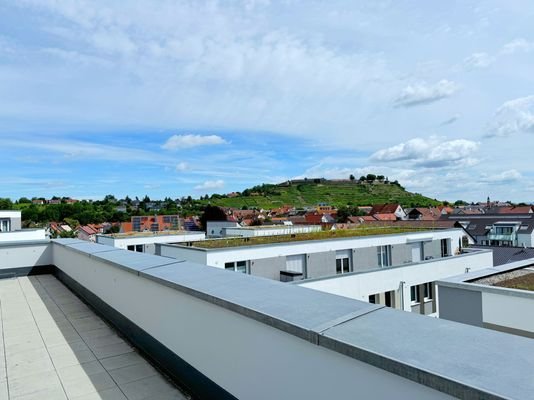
x=509 y=238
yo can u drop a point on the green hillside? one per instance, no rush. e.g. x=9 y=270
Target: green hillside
x=314 y=191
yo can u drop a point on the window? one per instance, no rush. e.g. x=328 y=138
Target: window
x=504 y=230
x=139 y=248
x=384 y=256
x=296 y=263
x=343 y=261
x=372 y=298
x=414 y=294
x=238 y=266
x=428 y=291
x=4 y=225
x=131 y=247
x=444 y=247
x=388 y=299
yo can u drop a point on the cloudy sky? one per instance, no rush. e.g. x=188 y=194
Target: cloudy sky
x=193 y=97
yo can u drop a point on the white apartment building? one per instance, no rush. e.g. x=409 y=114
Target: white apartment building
x=397 y=270
x=11 y=228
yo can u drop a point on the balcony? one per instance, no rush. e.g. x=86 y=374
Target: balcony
x=225 y=335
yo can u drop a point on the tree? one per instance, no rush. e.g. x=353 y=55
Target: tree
x=212 y=213
x=370 y=177
x=6 y=204
x=362 y=178
x=352 y=178
x=380 y=178
x=342 y=214
x=24 y=200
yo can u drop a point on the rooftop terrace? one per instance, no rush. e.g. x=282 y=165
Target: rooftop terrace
x=227 y=335
x=300 y=237
x=55 y=347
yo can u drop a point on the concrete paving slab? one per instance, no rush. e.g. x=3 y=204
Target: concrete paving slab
x=49 y=345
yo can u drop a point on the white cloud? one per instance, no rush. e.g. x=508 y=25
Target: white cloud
x=182 y=166
x=514 y=116
x=187 y=141
x=423 y=93
x=479 y=60
x=518 y=45
x=508 y=176
x=433 y=152
x=210 y=185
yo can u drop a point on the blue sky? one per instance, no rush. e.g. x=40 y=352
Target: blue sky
x=172 y=98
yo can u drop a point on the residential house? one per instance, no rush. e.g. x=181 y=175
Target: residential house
x=388 y=212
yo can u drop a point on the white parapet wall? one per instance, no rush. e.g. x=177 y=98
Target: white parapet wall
x=463 y=299
x=24 y=254
x=208 y=336
x=22 y=235
x=258 y=231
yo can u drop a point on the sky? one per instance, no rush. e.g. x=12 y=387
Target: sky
x=177 y=98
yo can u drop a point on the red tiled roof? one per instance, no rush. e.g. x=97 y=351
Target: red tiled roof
x=383 y=209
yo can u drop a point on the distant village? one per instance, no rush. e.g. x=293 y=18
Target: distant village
x=322 y=215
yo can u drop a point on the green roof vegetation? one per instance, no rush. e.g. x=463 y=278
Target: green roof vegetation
x=525 y=282
x=299 y=237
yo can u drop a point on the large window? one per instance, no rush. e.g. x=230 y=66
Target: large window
x=384 y=256
x=237 y=266
x=4 y=225
x=343 y=261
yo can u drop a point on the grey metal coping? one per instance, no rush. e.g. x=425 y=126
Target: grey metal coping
x=127 y=260
x=457 y=359
x=384 y=269
x=345 y=238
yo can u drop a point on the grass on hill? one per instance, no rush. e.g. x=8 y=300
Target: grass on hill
x=330 y=192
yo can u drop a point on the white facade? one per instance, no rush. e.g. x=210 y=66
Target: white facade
x=216 y=228
x=400 y=280
x=10 y=220
x=23 y=235
x=146 y=243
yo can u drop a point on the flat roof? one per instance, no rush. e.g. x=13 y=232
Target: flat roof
x=311 y=236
